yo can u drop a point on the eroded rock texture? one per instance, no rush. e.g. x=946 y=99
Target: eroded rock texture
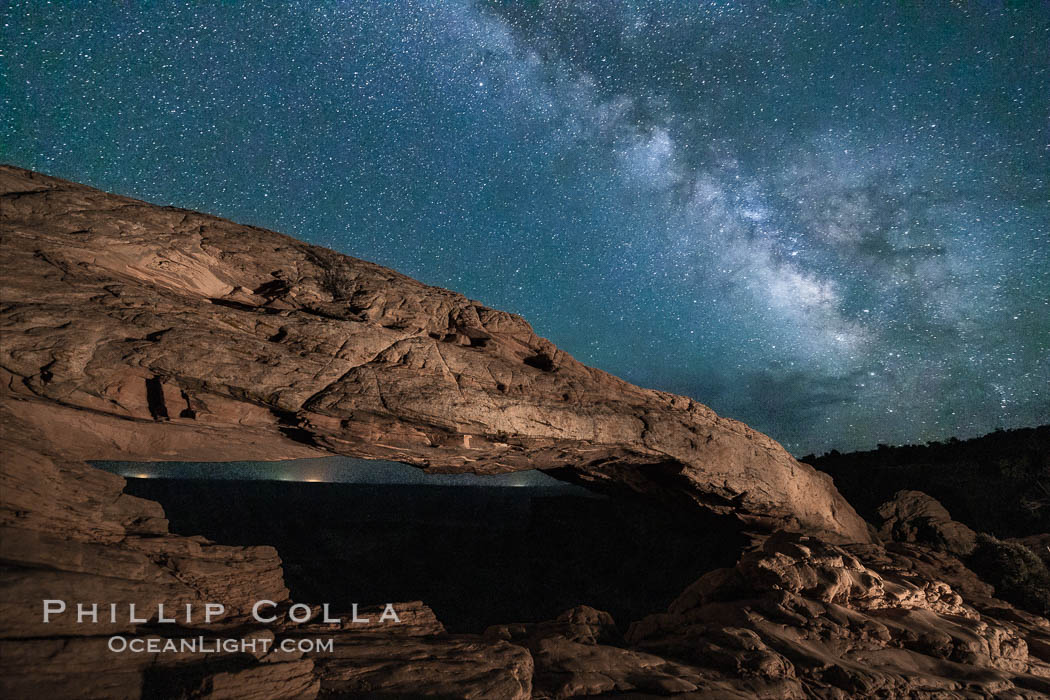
x=68 y=533
x=137 y=332
x=802 y=618
x=141 y=332
x=799 y=618
x=913 y=516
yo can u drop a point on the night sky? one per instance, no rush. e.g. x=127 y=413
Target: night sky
x=833 y=224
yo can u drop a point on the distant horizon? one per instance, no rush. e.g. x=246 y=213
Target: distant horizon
x=333 y=470
x=338 y=469
x=951 y=439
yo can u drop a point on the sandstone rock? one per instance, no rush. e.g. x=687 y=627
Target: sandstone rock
x=580 y=654
x=826 y=621
x=414 y=620
x=420 y=667
x=84 y=667
x=912 y=516
x=197 y=338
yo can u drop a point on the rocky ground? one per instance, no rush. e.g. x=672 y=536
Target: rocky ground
x=132 y=331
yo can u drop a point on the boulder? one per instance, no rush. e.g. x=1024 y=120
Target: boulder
x=912 y=516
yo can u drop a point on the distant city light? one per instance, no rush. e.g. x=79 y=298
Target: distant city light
x=330 y=470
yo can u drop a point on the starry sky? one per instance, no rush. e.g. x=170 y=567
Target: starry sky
x=829 y=221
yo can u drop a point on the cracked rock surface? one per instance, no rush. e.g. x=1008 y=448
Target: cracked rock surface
x=146 y=332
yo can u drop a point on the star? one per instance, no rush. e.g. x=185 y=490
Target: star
x=750 y=204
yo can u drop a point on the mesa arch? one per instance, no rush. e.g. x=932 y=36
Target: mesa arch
x=139 y=332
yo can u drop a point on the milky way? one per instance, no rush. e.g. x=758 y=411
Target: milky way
x=833 y=224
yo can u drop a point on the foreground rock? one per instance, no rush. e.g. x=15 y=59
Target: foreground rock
x=582 y=653
x=449 y=667
x=913 y=516
x=801 y=618
x=133 y=331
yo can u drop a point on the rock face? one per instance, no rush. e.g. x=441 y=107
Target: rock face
x=913 y=516
x=582 y=653
x=137 y=332
x=801 y=618
x=133 y=331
